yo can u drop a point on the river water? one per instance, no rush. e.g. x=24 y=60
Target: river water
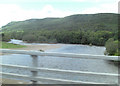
x=90 y=65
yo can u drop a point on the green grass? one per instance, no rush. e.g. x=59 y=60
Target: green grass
x=10 y=45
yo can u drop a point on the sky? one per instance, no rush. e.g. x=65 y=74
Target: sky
x=19 y=10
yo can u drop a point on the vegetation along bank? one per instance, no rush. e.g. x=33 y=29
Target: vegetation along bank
x=94 y=29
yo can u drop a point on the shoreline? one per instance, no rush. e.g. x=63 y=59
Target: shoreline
x=37 y=47
x=57 y=43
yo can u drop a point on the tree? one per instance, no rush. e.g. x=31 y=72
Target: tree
x=6 y=37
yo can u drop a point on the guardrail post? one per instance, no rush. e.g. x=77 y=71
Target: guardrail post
x=34 y=64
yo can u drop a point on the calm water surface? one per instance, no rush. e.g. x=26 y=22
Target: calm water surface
x=90 y=65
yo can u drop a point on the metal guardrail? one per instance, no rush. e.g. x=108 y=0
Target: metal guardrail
x=35 y=69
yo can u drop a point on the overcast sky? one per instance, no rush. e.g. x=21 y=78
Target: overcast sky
x=18 y=10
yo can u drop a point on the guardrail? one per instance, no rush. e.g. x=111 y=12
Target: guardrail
x=35 y=69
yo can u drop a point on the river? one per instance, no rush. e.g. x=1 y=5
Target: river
x=90 y=65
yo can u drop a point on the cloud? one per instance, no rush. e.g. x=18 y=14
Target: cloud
x=50 y=11
x=102 y=8
x=7 y=11
x=12 y=12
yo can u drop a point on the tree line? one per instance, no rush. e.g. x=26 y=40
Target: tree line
x=63 y=36
x=100 y=38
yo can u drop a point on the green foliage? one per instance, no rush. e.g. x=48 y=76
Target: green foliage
x=10 y=45
x=29 y=38
x=112 y=47
x=93 y=29
x=42 y=39
x=93 y=22
x=5 y=37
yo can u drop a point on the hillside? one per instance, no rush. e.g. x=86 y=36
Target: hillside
x=94 y=22
x=93 y=29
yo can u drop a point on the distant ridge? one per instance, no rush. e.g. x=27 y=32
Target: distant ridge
x=94 y=22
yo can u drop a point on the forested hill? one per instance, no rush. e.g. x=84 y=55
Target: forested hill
x=93 y=29
x=94 y=22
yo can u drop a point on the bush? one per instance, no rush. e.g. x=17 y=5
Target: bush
x=5 y=37
x=112 y=47
x=42 y=39
x=52 y=41
x=29 y=38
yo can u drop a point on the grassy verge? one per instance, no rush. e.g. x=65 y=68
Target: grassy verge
x=10 y=45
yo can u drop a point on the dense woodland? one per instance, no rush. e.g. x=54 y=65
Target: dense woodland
x=94 y=29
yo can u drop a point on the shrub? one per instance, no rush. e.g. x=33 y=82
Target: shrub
x=111 y=47
x=42 y=39
x=5 y=37
x=29 y=38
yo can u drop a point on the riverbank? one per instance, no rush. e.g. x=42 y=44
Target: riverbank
x=37 y=47
x=45 y=47
x=40 y=47
x=10 y=45
x=6 y=45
